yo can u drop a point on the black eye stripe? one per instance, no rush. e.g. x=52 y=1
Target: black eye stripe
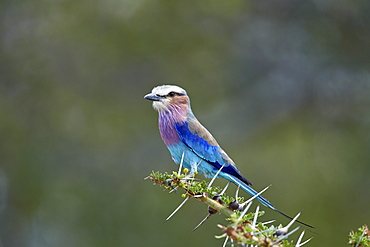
x=172 y=94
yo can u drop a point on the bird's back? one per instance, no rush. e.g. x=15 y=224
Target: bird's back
x=201 y=142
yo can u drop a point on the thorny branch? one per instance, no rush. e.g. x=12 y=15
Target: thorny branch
x=243 y=228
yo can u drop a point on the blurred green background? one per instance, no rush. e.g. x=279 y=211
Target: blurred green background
x=284 y=86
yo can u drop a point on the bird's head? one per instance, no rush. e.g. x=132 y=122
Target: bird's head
x=167 y=96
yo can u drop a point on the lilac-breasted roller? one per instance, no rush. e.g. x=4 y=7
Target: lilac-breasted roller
x=188 y=140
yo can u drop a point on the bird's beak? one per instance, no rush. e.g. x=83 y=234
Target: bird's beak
x=153 y=97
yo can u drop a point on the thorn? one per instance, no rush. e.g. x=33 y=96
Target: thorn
x=362 y=235
x=256 y=195
x=255 y=217
x=195 y=171
x=225 y=242
x=215 y=176
x=174 y=189
x=285 y=236
x=258 y=233
x=177 y=209
x=294 y=219
x=199 y=163
x=188 y=178
x=305 y=242
x=245 y=211
x=299 y=239
x=268 y=222
x=221 y=227
x=195 y=196
x=232 y=242
x=299 y=244
x=182 y=160
x=225 y=188
x=237 y=193
x=206 y=218
x=284 y=230
x=304 y=225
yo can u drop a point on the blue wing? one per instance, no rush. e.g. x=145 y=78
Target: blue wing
x=213 y=154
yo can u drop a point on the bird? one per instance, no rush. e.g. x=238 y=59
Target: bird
x=191 y=144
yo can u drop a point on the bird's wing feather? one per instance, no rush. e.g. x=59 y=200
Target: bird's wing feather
x=196 y=127
x=202 y=143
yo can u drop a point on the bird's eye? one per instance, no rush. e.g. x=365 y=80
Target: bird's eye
x=171 y=94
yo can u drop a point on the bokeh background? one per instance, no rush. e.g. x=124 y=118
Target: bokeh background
x=283 y=85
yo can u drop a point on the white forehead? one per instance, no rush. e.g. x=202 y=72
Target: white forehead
x=166 y=89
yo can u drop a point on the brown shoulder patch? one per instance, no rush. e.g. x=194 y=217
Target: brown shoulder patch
x=196 y=127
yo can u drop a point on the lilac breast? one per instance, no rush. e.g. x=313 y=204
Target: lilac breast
x=166 y=122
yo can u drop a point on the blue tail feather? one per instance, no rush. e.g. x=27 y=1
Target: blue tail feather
x=248 y=189
x=260 y=198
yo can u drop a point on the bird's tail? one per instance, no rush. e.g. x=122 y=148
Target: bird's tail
x=260 y=198
x=249 y=190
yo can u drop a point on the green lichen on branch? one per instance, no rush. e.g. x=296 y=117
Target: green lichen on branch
x=241 y=227
x=361 y=238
